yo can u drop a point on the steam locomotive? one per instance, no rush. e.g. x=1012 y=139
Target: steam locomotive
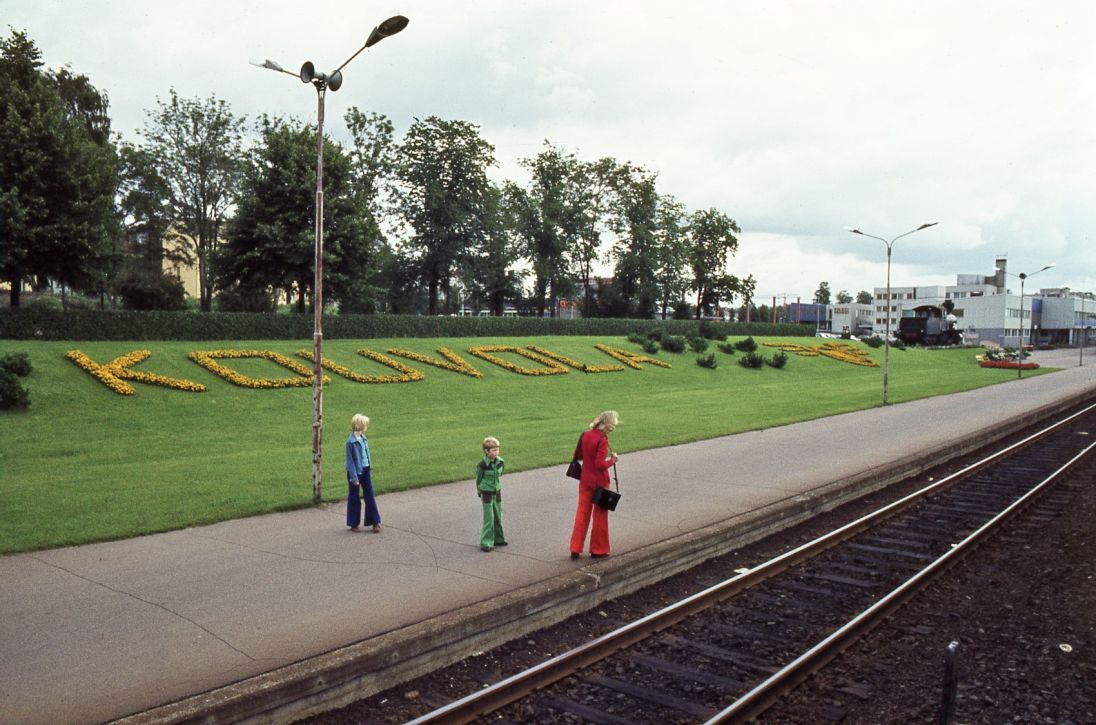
x=930 y=325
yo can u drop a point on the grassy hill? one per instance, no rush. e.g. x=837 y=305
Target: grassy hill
x=85 y=463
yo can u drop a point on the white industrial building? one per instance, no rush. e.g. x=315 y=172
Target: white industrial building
x=988 y=310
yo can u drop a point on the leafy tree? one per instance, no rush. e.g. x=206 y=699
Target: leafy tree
x=822 y=294
x=57 y=173
x=634 y=220
x=863 y=297
x=488 y=271
x=195 y=146
x=443 y=187
x=271 y=242
x=599 y=179
x=843 y=297
x=712 y=242
x=672 y=255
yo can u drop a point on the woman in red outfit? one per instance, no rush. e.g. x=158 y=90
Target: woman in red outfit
x=597 y=459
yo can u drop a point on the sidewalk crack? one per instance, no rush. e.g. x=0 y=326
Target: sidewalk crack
x=170 y=611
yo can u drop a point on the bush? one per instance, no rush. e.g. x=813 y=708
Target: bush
x=709 y=332
x=707 y=361
x=673 y=343
x=151 y=290
x=875 y=342
x=747 y=345
x=726 y=347
x=638 y=338
x=897 y=344
x=698 y=344
x=779 y=360
x=17 y=363
x=751 y=360
x=650 y=347
x=244 y=299
x=12 y=394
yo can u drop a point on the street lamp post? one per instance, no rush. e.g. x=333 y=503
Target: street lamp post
x=1020 y=354
x=886 y=338
x=323 y=82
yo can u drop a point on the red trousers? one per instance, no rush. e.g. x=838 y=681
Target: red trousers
x=599 y=537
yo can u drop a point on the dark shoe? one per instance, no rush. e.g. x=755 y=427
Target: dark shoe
x=501 y=543
x=485 y=548
x=573 y=556
x=376 y=528
x=599 y=556
x=355 y=528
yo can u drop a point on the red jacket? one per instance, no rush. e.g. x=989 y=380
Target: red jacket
x=596 y=463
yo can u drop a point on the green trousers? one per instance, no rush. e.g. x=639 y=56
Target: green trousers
x=492 y=521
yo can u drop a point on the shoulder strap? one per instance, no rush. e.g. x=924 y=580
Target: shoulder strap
x=578 y=447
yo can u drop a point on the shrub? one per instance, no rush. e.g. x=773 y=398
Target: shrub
x=638 y=338
x=12 y=394
x=673 y=343
x=245 y=299
x=751 y=360
x=779 y=360
x=151 y=290
x=17 y=363
x=709 y=332
x=650 y=347
x=707 y=361
x=874 y=342
x=897 y=344
x=747 y=345
x=698 y=344
x=726 y=347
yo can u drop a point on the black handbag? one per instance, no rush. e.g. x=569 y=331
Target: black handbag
x=607 y=498
x=574 y=469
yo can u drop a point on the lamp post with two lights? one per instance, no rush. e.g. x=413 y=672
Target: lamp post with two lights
x=1020 y=354
x=322 y=82
x=886 y=339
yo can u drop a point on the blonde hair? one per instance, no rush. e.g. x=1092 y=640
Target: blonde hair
x=489 y=443
x=359 y=423
x=606 y=421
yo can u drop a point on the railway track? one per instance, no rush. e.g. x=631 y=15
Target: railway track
x=727 y=653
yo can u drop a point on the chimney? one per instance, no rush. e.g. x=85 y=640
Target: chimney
x=999 y=276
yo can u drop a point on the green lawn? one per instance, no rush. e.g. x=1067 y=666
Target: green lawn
x=87 y=464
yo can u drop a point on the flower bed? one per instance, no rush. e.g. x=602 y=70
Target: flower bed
x=407 y=374
x=455 y=363
x=115 y=373
x=208 y=359
x=486 y=352
x=1008 y=364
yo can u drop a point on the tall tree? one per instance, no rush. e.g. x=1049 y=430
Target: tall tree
x=671 y=253
x=442 y=191
x=489 y=271
x=271 y=242
x=196 y=146
x=57 y=173
x=712 y=243
x=843 y=297
x=599 y=179
x=822 y=294
x=551 y=216
x=863 y=297
x=634 y=220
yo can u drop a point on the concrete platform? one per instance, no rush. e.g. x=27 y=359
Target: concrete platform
x=270 y=618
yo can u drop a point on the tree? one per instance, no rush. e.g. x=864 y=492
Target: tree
x=712 y=242
x=196 y=147
x=843 y=297
x=822 y=294
x=443 y=186
x=57 y=173
x=488 y=271
x=599 y=181
x=634 y=220
x=671 y=254
x=863 y=297
x=271 y=242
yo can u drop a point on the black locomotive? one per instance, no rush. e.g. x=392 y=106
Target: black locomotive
x=930 y=325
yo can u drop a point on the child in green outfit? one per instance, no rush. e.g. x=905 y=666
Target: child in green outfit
x=489 y=490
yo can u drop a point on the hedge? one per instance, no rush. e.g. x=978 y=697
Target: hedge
x=78 y=325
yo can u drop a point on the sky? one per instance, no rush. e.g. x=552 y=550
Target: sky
x=796 y=118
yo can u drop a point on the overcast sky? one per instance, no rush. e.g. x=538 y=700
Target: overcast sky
x=796 y=118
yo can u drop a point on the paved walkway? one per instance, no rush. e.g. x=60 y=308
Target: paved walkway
x=93 y=633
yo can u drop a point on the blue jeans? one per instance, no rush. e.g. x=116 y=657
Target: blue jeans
x=354 y=497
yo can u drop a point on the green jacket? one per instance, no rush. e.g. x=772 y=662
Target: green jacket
x=489 y=474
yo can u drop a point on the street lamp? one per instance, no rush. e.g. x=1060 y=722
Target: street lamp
x=886 y=338
x=1020 y=354
x=322 y=82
